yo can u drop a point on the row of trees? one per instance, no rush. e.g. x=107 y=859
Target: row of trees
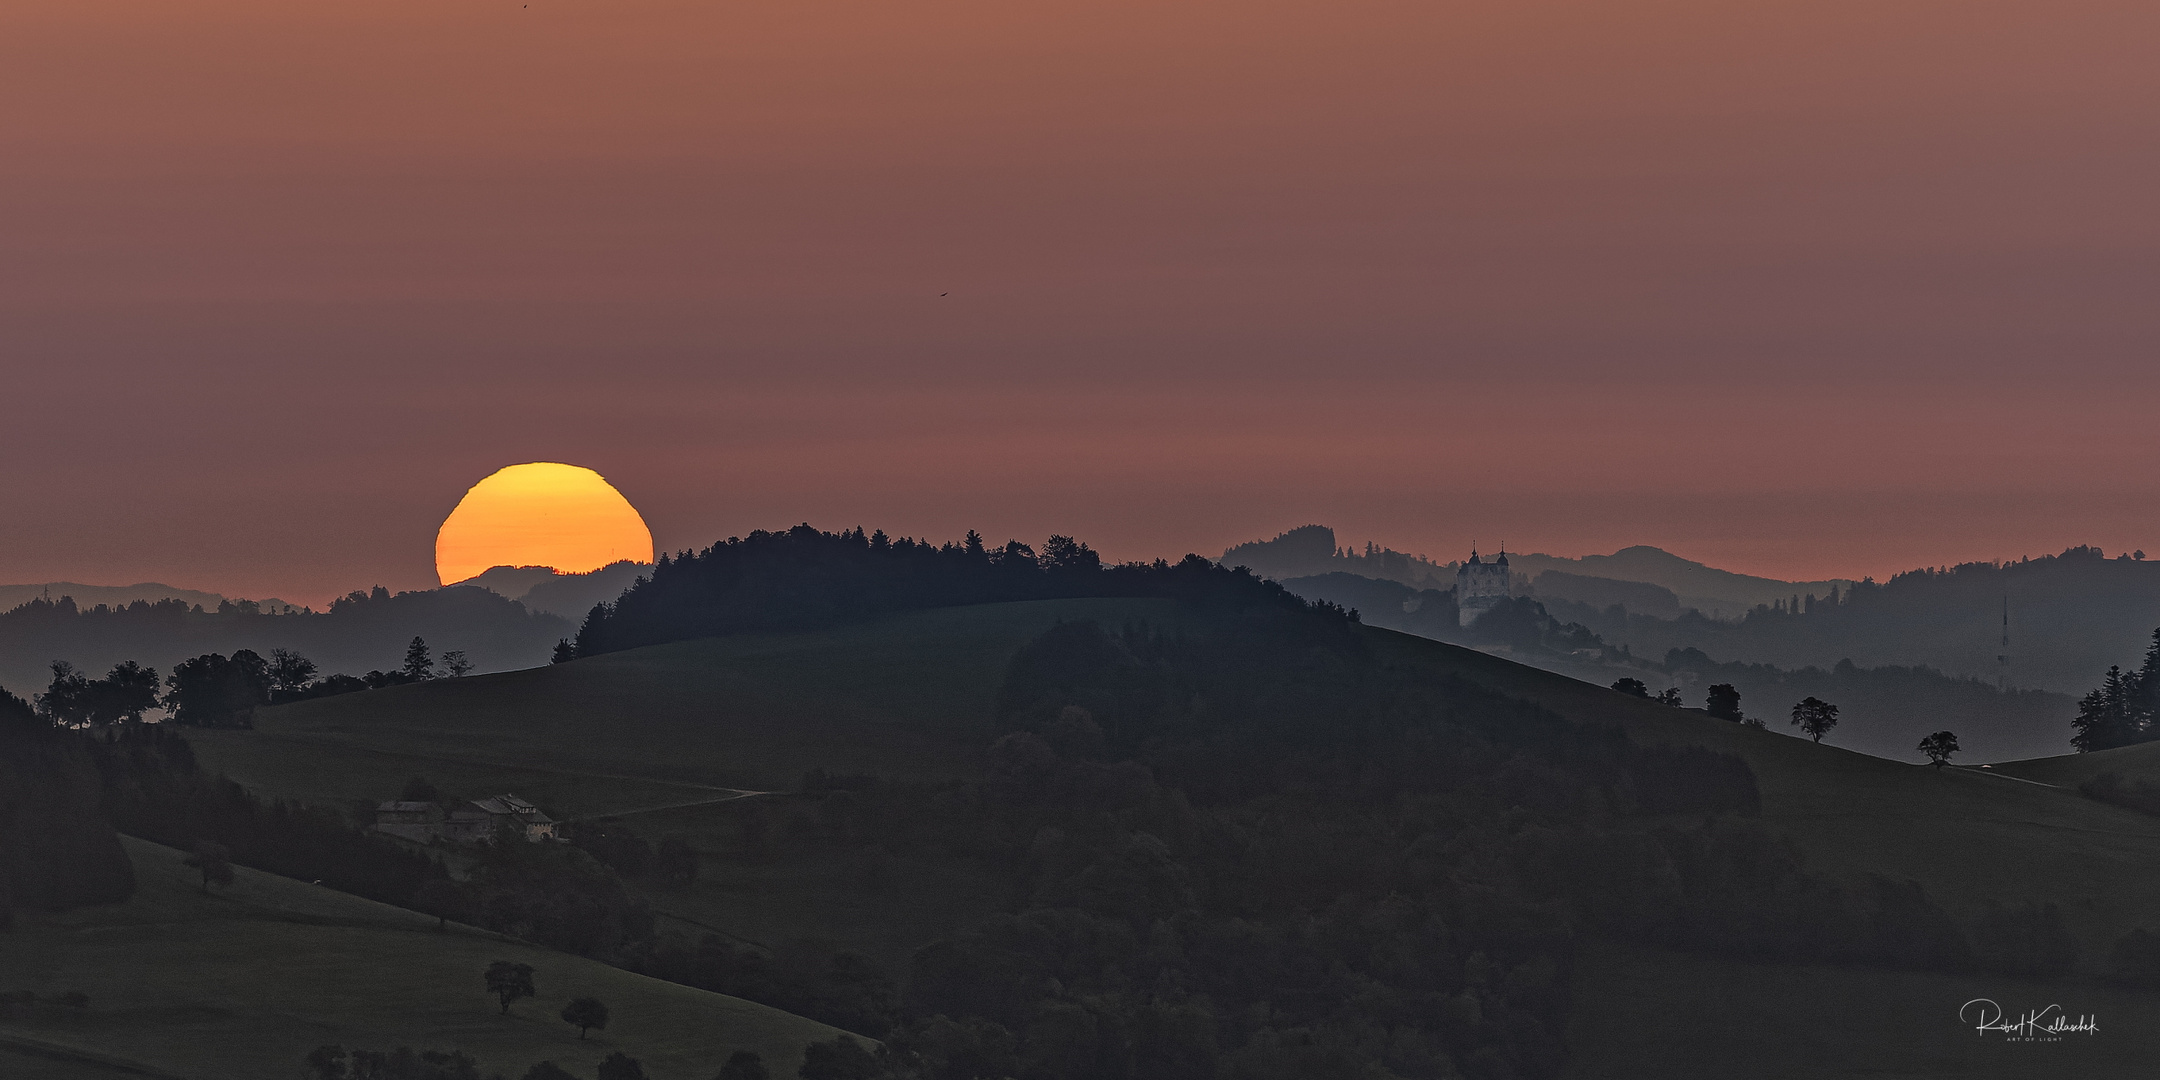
x=2124 y=709
x=214 y=690
x=1813 y=716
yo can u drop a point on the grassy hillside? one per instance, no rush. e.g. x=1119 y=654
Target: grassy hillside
x=904 y=696
x=1646 y=1014
x=244 y=982
x=1966 y=835
x=664 y=735
x=2132 y=763
x=910 y=696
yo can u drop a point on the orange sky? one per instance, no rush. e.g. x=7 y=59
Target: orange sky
x=1799 y=288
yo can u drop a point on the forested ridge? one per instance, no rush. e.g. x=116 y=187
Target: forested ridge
x=805 y=578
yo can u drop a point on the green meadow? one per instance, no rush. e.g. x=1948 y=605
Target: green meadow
x=244 y=981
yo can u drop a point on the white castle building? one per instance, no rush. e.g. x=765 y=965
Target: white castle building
x=1480 y=585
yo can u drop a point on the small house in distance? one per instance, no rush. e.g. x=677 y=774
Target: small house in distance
x=502 y=816
x=513 y=816
x=417 y=821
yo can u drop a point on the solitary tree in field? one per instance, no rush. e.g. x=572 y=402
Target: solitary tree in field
x=585 y=1014
x=509 y=981
x=455 y=665
x=1723 y=702
x=621 y=1066
x=419 y=662
x=442 y=898
x=1938 y=747
x=214 y=861
x=744 y=1065
x=1815 y=717
x=1633 y=687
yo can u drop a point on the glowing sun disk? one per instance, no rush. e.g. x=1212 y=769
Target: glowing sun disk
x=541 y=513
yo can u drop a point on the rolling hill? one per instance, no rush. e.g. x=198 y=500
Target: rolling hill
x=245 y=981
x=910 y=696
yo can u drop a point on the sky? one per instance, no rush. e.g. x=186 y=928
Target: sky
x=1801 y=288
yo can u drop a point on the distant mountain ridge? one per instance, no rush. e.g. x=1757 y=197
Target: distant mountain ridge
x=89 y=596
x=1311 y=550
x=1888 y=706
x=545 y=589
x=359 y=632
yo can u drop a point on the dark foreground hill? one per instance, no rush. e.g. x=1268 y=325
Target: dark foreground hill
x=245 y=981
x=1133 y=836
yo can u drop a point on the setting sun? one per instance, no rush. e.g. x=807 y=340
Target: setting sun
x=540 y=514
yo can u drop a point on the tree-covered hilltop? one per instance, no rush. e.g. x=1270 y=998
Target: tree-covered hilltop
x=805 y=578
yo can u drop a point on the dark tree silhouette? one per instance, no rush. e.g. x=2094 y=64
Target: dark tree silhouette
x=841 y=1059
x=213 y=861
x=509 y=981
x=1938 y=747
x=1724 y=703
x=444 y=899
x=1670 y=696
x=289 y=671
x=564 y=652
x=1632 y=687
x=419 y=662
x=455 y=665
x=548 y=1070
x=744 y=1065
x=585 y=1014
x=2108 y=716
x=621 y=1066
x=66 y=700
x=212 y=691
x=125 y=693
x=1814 y=716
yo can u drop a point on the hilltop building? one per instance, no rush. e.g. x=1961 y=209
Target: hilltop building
x=1480 y=586
x=504 y=816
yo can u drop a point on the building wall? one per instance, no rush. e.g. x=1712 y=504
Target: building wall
x=1479 y=586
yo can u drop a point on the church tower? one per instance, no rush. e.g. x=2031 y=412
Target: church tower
x=1480 y=586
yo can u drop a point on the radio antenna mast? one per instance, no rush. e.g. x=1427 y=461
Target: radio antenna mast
x=2002 y=659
